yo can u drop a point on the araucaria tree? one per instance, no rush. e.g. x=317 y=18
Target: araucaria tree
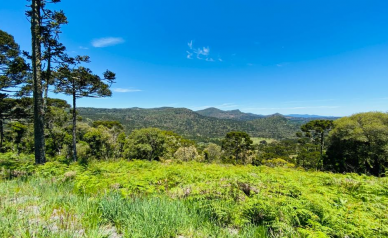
x=13 y=72
x=13 y=68
x=45 y=25
x=80 y=82
x=316 y=131
x=237 y=145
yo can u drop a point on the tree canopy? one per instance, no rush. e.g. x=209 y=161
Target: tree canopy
x=359 y=143
x=13 y=68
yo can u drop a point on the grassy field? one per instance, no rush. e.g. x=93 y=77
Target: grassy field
x=151 y=199
x=257 y=140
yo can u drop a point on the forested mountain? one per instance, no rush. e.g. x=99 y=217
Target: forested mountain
x=308 y=116
x=232 y=114
x=193 y=125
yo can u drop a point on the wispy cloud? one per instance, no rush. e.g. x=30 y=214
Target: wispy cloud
x=282 y=64
x=189 y=55
x=83 y=48
x=107 y=41
x=201 y=53
x=125 y=90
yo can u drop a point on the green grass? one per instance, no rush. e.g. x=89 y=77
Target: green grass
x=46 y=207
x=152 y=199
x=257 y=140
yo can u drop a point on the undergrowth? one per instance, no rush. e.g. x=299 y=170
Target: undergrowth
x=152 y=199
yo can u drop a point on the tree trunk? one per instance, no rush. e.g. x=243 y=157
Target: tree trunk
x=1 y=134
x=37 y=84
x=74 y=127
x=48 y=76
x=321 y=149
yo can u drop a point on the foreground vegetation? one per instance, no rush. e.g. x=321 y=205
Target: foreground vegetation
x=153 y=199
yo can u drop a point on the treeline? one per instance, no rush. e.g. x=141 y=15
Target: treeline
x=351 y=144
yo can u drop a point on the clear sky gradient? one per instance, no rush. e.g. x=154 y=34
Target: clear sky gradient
x=292 y=57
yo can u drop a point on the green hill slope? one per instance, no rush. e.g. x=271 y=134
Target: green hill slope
x=193 y=125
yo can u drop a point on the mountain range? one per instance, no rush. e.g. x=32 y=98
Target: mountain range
x=202 y=125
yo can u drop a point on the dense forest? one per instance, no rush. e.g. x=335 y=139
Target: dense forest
x=195 y=126
x=68 y=171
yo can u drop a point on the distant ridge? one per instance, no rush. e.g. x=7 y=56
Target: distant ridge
x=232 y=114
x=242 y=116
x=195 y=126
x=310 y=116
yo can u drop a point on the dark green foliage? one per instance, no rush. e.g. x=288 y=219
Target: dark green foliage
x=108 y=124
x=237 y=146
x=13 y=68
x=359 y=144
x=283 y=151
x=312 y=139
x=81 y=82
x=147 y=144
x=18 y=130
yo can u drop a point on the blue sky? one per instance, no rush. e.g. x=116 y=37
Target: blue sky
x=314 y=57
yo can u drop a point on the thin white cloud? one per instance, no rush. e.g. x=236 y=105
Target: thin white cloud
x=189 y=55
x=125 y=90
x=201 y=53
x=83 y=48
x=282 y=64
x=107 y=41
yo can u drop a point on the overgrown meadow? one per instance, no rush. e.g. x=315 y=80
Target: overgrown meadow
x=189 y=199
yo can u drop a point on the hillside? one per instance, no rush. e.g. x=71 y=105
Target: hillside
x=232 y=114
x=193 y=125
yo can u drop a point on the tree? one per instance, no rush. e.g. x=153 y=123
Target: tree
x=316 y=131
x=39 y=142
x=80 y=82
x=237 y=145
x=359 y=143
x=13 y=68
x=147 y=144
x=18 y=131
x=13 y=72
x=186 y=153
x=12 y=109
x=45 y=27
x=212 y=152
